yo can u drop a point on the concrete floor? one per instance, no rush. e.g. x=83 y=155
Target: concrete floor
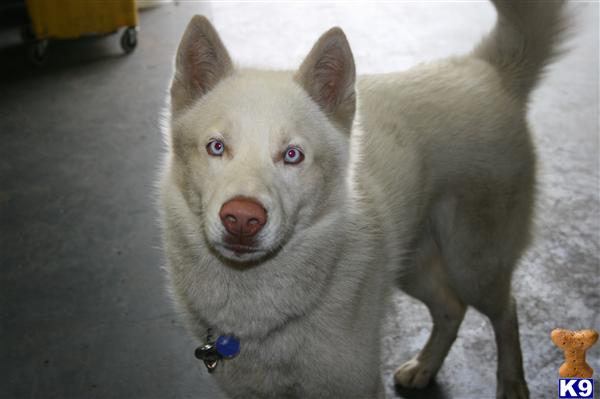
x=82 y=298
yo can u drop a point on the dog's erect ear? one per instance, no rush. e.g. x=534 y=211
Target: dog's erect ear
x=201 y=62
x=328 y=75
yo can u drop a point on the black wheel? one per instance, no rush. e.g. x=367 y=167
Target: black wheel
x=129 y=39
x=38 y=52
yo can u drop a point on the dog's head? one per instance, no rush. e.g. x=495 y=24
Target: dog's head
x=259 y=156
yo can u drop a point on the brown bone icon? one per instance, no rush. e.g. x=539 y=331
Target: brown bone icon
x=574 y=344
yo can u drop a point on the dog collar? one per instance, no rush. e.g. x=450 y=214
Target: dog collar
x=211 y=352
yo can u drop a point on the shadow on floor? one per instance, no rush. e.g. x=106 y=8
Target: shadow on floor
x=431 y=391
x=17 y=66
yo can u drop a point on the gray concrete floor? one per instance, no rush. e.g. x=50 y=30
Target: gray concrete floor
x=83 y=305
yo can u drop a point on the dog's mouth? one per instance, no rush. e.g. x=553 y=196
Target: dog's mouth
x=240 y=253
x=241 y=249
x=240 y=244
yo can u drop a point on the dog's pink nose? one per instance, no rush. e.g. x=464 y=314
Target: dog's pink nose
x=243 y=217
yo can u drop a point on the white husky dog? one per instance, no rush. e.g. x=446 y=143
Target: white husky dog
x=292 y=202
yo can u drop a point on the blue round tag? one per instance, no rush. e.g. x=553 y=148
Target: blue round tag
x=228 y=346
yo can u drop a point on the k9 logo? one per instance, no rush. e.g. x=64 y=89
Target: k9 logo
x=576 y=388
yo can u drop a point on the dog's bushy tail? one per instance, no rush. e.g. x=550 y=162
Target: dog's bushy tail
x=524 y=41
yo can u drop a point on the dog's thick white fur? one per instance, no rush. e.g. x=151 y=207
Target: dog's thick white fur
x=421 y=179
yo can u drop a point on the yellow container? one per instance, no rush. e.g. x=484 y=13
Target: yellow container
x=67 y=19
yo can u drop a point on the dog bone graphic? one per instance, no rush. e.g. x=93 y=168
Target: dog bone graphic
x=574 y=344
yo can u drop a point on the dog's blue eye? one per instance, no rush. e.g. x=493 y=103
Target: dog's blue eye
x=215 y=148
x=293 y=155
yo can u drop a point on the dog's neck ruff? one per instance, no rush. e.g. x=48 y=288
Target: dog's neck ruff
x=211 y=352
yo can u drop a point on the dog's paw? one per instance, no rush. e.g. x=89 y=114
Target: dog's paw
x=413 y=374
x=512 y=390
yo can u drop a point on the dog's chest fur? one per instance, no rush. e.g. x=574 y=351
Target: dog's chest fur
x=292 y=324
